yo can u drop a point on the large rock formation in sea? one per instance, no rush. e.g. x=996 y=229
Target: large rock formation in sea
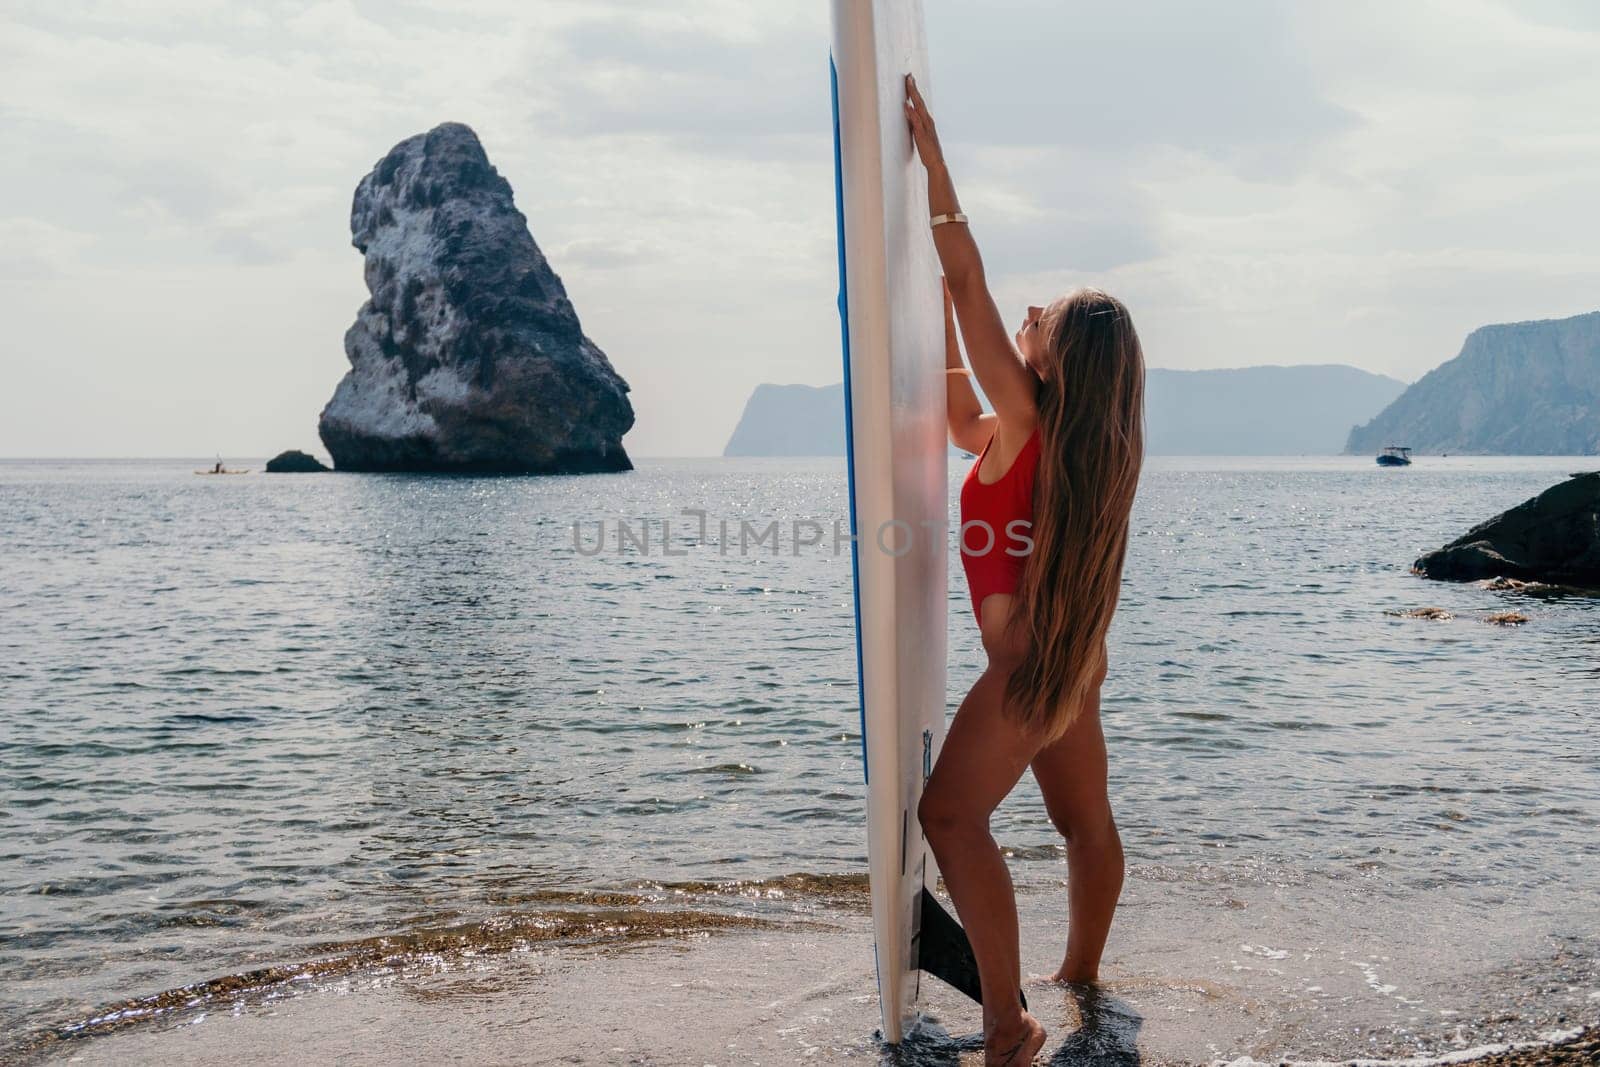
x=1247 y=411
x=1523 y=388
x=1554 y=538
x=468 y=356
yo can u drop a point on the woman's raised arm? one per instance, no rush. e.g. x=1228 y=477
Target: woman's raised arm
x=1010 y=386
x=970 y=426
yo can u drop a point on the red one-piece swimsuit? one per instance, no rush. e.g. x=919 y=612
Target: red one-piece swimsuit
x=997 y=524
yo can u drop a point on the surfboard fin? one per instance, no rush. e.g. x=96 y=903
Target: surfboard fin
x=944 y=951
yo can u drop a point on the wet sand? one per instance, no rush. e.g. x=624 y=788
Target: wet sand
x=801 y=991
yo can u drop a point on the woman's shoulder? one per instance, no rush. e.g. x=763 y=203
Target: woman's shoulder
x=1016 y=451
x=1031 y=450
x=1018 y=439
x=1027 y=461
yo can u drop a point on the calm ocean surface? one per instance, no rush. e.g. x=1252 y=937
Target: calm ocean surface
x=254 y=721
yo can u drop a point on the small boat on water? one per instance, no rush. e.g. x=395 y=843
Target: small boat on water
x=1395 y=456
x=220 y=469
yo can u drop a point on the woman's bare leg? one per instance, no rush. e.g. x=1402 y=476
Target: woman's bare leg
x=1071 y=772
x=983 y=756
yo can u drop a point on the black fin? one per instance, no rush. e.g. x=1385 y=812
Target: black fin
x=944 y=951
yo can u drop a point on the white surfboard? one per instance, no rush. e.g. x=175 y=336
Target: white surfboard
x=892 y=318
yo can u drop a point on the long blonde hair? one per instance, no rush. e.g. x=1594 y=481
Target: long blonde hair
x=1091 y=430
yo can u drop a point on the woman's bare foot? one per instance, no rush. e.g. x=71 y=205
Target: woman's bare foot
x=1052 y=982
x=1066 y=977
x=1015 y=1045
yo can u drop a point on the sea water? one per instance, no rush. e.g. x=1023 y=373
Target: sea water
x=268 y=734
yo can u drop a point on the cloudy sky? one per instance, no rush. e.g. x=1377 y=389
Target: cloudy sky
x=1261 y=182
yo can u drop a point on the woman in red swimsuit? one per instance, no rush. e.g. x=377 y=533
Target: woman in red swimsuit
x=1044 y=514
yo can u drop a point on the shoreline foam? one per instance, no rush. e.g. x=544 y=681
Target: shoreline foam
x=758 y=989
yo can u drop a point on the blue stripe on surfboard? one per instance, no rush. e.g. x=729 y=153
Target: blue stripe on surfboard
x=849 y=432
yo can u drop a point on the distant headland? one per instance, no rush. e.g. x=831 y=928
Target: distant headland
x=1247 y=411
x=1518 y=389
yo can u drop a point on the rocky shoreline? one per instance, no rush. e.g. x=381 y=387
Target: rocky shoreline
x=1583 y=1048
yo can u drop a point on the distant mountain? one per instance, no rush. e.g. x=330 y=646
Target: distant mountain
x=1251 y=411
x=1522 y=388
x=790 y=420
x=1259 y=411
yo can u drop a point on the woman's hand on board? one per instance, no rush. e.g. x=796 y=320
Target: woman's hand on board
x=923 y=132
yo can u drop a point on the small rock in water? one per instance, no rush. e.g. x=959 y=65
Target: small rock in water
x=1423 y=613
x=1507 y=618
x=294 y=461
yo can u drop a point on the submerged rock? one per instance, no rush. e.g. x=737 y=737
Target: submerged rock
x=468 y=356
x=1437 y=614
x=1506 y=618
x=1555 y=538
x=294 y=461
